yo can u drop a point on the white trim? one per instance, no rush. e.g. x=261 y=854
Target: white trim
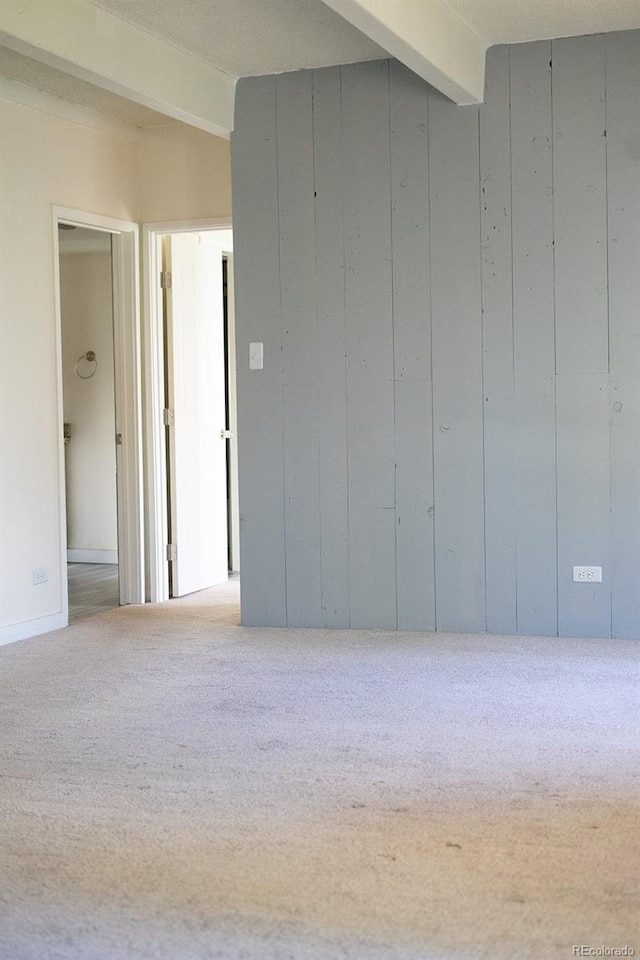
x=155 y=454
x=428 y=38
x=17 y=92
x=233 y=416
x=127 y=395
x=62 y=484
x=187 y=226
x=97 y=46
x=126 y=350
x=91 y=556
x=32 y=628
x=155 y=450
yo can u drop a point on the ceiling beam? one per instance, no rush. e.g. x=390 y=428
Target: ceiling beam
x=428 y=38
x=94 y=45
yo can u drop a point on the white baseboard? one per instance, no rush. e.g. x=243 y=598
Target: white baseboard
x=31 y=628
x=92 y=556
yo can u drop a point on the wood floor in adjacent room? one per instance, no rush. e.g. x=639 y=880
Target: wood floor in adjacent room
x=93 y=588
x=176 y=787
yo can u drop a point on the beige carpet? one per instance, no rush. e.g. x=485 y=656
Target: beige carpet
x=176 y=787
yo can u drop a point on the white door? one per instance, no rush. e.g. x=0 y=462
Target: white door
x=196 y=395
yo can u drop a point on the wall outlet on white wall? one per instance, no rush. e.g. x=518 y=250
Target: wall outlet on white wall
x=587 y=574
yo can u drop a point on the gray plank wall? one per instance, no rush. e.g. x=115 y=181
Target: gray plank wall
x=448 y=418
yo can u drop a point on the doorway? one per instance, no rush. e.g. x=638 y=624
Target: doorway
x=88 y=387
x=193 y=523
x=99 y=411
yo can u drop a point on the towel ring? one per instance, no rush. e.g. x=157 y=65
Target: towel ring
x=90 y=357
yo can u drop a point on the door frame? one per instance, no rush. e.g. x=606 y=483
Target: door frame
x=128 y=398
x=155 y=448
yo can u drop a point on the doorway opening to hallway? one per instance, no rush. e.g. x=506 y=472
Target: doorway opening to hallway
x=99 y=412
x=193 y=527
x=86 y=309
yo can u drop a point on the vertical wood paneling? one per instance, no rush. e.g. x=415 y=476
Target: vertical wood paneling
x=260 y=415
x=457 y=365
x=579 y=166
x=401 y=397
x=409 y=99
x=623 y=175
x=497 y=342
x=299 y=348
x=370 y=393
x=332 y=369
x=412 y=350
x=582 y=351
x=534 y=339
x=584 y=610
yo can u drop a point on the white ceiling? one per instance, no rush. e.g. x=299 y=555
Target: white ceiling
x=517 y=21
x=252 y=37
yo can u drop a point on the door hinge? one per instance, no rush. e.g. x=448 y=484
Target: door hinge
x=167 y=417
x=118 y=439
x=165 y=280
x=172 y=551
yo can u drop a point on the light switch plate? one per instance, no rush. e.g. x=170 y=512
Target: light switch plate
x=256 y=356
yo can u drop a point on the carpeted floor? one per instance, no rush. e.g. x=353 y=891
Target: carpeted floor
x=176 y=787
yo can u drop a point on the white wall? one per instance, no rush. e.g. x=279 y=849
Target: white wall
x=45 y=161
x=184 y=174
x=86 y=299
x=48 y=161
